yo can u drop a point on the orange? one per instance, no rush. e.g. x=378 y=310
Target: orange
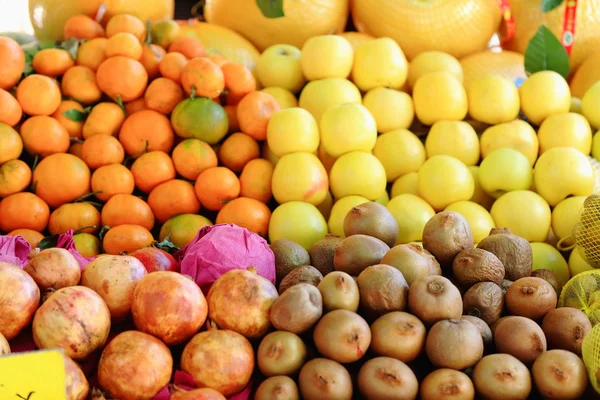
x=232 y=117
x=216 y=186
x=238 y=78
x=39 y=95
x=151 y=169
x=122 y=77
x=200 y=118
x=92 y=53
x=233 y=99
x=104 y=119
x=44 y=136
x=33 y=237
x=61 y=178
x=255 y=180
x=110 y=180
x=247 y=213
x=126 y=23
x=254 y=112
x=163 y=95
x=204 y=76
x=125 y=239
x=73 y=126
x=192 y=156
x=52 y=62
x=183 y=228
x=124 y=44
x=10 y=109
x=75 y=149
x=124 y=209
x=136 y=105
x=218 y=59
x=172 y=198
x=13 y=62
x=188 y=46
x=101 y=150
x=171 y=66
x=151 y=56
x=146 y=130
x=12 y=144
x=79 y=83
x=15 y=176
x=86 y=244
x=23 y=211
x=82 y=27
x=237 y=150
x=74 y=216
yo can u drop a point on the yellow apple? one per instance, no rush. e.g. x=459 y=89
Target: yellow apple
x=326 y=56
x=505 y=170
x=279 y=65
x=379 y=62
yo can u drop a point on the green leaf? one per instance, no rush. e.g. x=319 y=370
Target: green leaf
x=271 y=8
x=75 y=115
x=148 y=32
x=546 y=53
x=166 y=245
x=46 y=44
x=28 y=70
x=48 y=242
x=72 y=46
x=549 y=5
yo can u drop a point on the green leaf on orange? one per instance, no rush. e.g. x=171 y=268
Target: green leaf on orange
x=549 y=5
x=545 y=52
x=75 y=115
x=271 y=8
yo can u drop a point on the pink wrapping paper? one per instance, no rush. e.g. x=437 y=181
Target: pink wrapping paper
x=220 y=248
x=65 y=241
x=14 y=250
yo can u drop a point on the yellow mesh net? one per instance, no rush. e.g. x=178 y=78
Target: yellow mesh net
x=586 y=233
x=583 y=293
x=590 y=351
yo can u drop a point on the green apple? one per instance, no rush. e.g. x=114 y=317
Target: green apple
x=379 y=62
x=279 y=65
x=596 y=146
x=561 y=172
x=505 y=170
x=326 y=56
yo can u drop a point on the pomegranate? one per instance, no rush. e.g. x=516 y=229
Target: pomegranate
x=135 y=365
x=4 y=346
x=76 y=383
x=168 y=305
x=178 y=393
x=53 y=268
x=19 y=298
x=219 y=359
x=241 y=300
x=75 y=319
x=155 y=259
x=114 y=278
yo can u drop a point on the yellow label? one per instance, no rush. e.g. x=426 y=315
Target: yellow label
x=36 y=375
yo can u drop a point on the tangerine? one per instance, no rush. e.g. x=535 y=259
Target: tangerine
x=33 y=237
x=122 y=77
x=124 y=44
x=44 y=135
x=104 y=119
x=73 y=125
x=238 y=78
x=23 y=211
x=75 y=149
x=172 y=65
x=247 y=213
x=39 y=95
x=136 y=105
x=61 y=178
x=13 y=62
x=125 y=239
x=15 y=176
x=146 y=130
x=110 y=180
x=200 y=118
x=163 y=95
x=10 y=109
x=218 y=59
x=80 y=217
x=151 y=169
x=192 y=156
x=188 y=46
x=255 y=180
x=127 y=209
x=231 y=112
x=79 y=83
x=216 y=186
x=87 y=244
x=182 y=229
x=237 y=150
x=52 y=62
x=254 y=112
x=126 y=23
x=203 y=77
x=165 y=204
x=82 y=27
x=92 y=53
x=100 y=150
x=151 y=57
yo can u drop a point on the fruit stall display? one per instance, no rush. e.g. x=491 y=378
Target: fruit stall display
x=261 y=205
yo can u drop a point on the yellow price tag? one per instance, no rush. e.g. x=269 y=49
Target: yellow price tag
x=36 y=375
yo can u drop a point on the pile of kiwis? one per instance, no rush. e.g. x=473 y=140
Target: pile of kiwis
x=363 y=318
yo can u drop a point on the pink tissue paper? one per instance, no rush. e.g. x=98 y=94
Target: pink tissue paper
x=14 y=250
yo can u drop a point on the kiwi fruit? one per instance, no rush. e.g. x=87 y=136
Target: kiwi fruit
x=549 y=277
x=447 y=384
x=446 y=234
x=342 y=336
x=298 y=309
x=387 y=378
x=454 y=343
x=484 y=330
x=321 y=378
x=471 y=266
x=277 y=388
x=501 y=376
x=520 y=337
x=288 y=256
x=4 y=346
x=413 y=261
x=514 y=252
x=560 y=374
x=399 y=335
x=484 y=300
x=322 y=252
x=565 y=329
x=382 y=289
x=372 y=219
x=302 y=274
x=280 y=353
x=530 y=297
x=505 y=285
x=355 y=253
x=495 y=324
x=434 y=298
x=339 y=291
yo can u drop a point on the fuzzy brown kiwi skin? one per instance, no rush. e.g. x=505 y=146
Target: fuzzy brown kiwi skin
x=565 y=329
x=484 y=300
x=323 y=378
x=454 y=343
x=549 y=277
x=501 y=373
x=322 y=252
x=434 y=298
x=515 y=252
x=484 y=329
x=357 y=252
x=277 y=388
x=372 y=219
x=445 y=235
x=560 y=374
x=477 y=265
x=382 y=289
x=520 y=337
x=382 y=377
x=297 y=309
x=505 y=285
x=530 y=297
x=447 y=383
x=302 y=274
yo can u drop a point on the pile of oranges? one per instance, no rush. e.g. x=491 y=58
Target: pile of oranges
x=127 y=142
